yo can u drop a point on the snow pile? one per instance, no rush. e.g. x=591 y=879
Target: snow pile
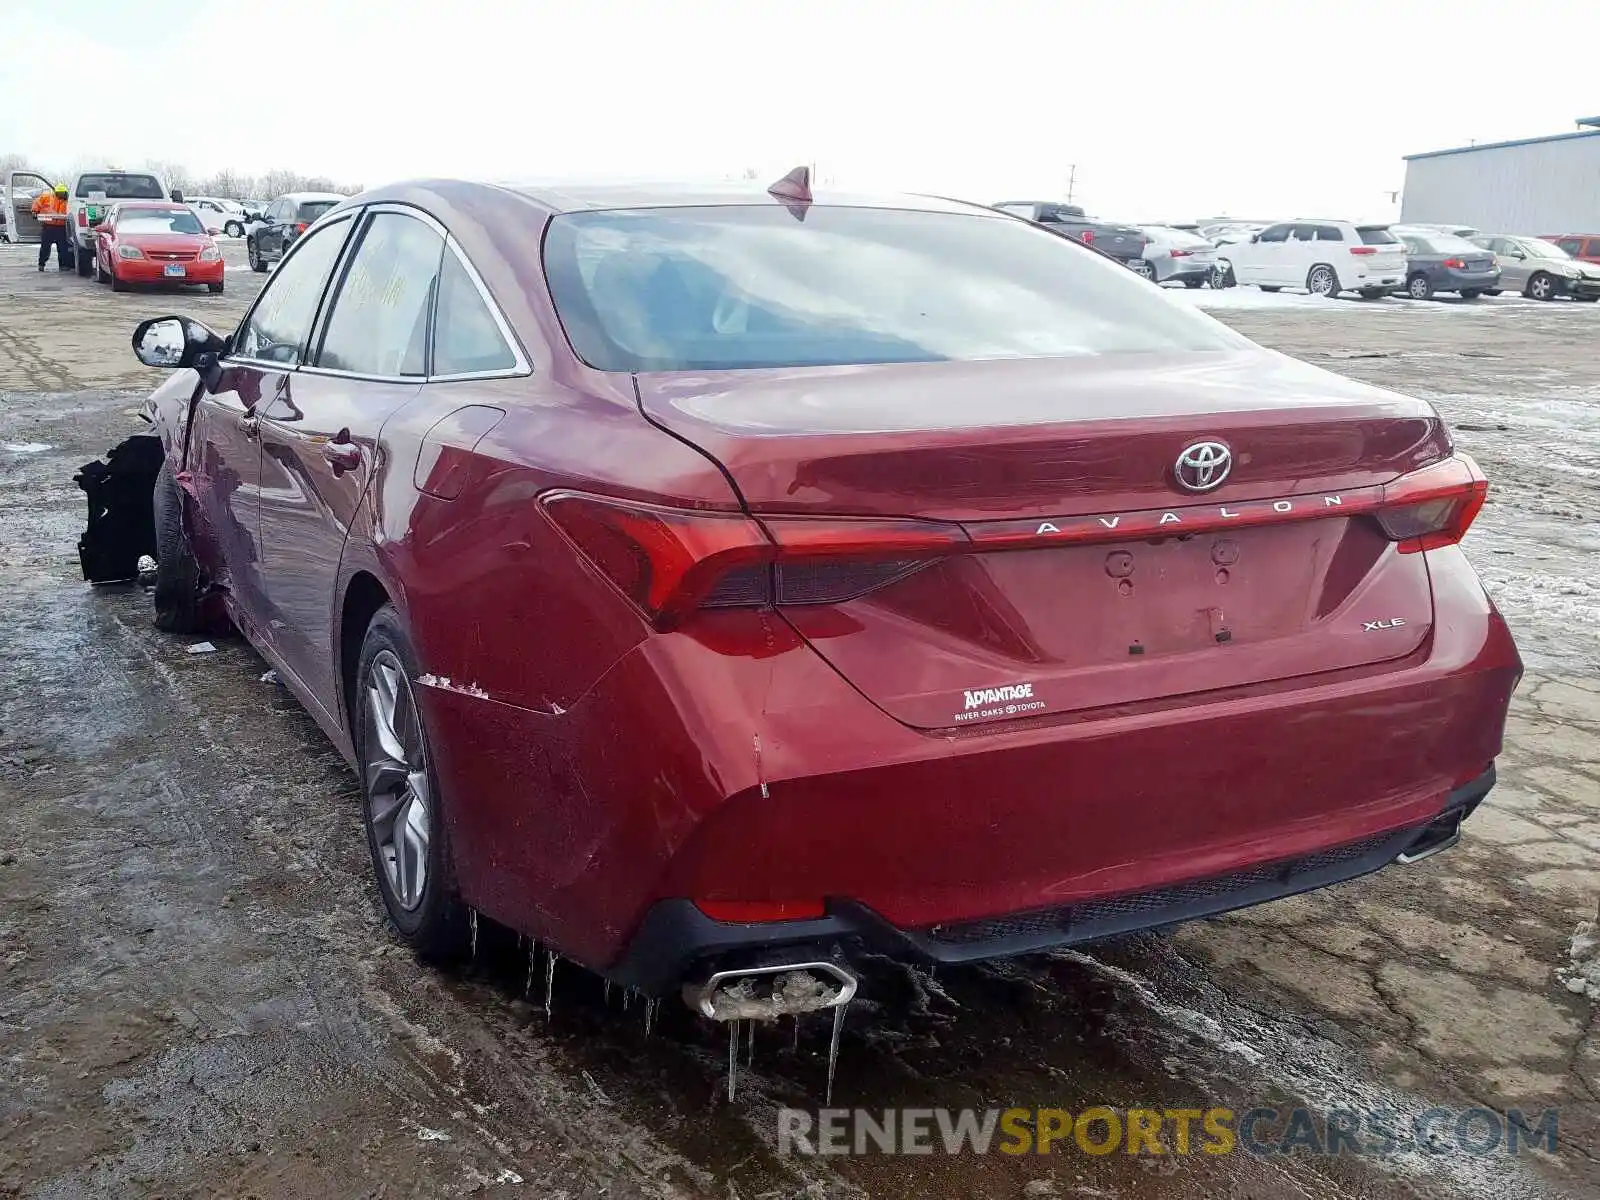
x=1583 y=975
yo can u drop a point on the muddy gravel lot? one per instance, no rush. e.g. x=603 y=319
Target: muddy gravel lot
x=198 y=994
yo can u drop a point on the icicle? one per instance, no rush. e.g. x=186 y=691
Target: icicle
x=627 y=999
x=650 y=1007
x=549 y=981
x=796 y=1020
x=608 y=993
x=750 y=1046
x=833 y=1050
x=533 y=954
x=733 y=1057
x=472 y=920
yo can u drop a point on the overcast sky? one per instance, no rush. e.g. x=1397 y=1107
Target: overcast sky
x=1168 y=110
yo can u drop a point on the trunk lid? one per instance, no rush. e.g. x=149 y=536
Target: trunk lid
x=1150 y=593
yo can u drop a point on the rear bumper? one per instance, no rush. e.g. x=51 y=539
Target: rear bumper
x=695 y=770
x=675 y=935
x=1181 y=269
x=1455 y=281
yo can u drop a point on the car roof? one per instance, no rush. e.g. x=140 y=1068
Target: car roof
x=580 y=197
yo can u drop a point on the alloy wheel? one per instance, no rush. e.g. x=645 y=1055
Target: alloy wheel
x=1419 y=289
x=1541 y=287
x=1322 y=282
x=1143 y=269
x=399 y=800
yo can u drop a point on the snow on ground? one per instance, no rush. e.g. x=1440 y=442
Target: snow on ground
x=1254 y=298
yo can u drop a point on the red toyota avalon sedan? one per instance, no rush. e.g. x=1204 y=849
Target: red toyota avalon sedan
x=155 y=243
x=706 y=582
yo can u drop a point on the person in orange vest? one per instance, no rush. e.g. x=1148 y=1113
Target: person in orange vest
x=51 y=209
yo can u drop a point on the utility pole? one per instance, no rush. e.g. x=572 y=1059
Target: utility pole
x=1072 y=180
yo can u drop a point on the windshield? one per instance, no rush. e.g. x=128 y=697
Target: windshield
x=740 y=287
x=1541 y=249
x=312 y=209
x=158 y=221
x=120 y=187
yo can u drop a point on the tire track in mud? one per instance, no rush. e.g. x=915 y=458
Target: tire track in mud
x=23 y=366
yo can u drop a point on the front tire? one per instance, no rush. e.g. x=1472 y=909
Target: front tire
x=1321 y=281
x=1541 y=287
x=1419 y=287
x=177 y=591
x=214 y=288
x=233 y=229
x=253 y=252
x=401 y=803
x=117 y=282
x=1222 y=275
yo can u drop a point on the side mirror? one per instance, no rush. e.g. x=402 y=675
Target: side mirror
x=174 y=342
x=1254 y=238
x=177 y=196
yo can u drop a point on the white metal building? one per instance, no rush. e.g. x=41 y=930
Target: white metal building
x=1534 y=186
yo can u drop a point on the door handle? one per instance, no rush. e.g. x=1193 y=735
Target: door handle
x=345 y=456
x=250 y=427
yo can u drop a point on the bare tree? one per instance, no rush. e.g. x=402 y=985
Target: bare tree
x=175 y=175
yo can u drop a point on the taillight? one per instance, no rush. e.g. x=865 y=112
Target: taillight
x=300 y=228
x=1180 y=253
x=1433 y=507
x=1087 y=237
x=1456 y=264
x=83 y=217
x=670 y=562
x=1363 y=249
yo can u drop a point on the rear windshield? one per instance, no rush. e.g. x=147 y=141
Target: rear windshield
x=726 y=288
x=1439 y=243
x=1377 y=235
x=312 y=209
x=120 y=187
x=158 y=221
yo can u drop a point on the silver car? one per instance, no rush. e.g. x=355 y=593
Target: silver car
x=1173 y=254
x=1539 y=269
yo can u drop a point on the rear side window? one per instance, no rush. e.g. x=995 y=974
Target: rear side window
x=379 y=324
x=1276 y=233
x=1573 y=246
x=1329 y=233
x=466 y=338
x=277 y=328
x=120 y=187
x=312 y=209
x=1377 y=235
x=728 y=288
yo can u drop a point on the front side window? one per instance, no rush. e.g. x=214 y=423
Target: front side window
x=1573 y=246
x=379 y=321
x=1274 y=233
x=277 y=328
x=466 y=338
x=724 y=288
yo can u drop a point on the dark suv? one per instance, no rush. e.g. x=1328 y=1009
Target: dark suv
x=285 y=220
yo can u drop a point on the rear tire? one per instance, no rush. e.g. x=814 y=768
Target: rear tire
x=82 y=259
x=1194 y=283
x=1491 y=291
x=1542 y=286
x=1322 y=281
x=1271 y=287
x=1374 y=293
x=177 y=592
x=1419 y=287
x=1222 y=275
x=1470 y=293
x=1144 y=269
x=214 y=288
x=402 y=808
x=233 y=229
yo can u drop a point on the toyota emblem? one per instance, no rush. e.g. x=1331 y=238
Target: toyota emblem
x=1203 y=466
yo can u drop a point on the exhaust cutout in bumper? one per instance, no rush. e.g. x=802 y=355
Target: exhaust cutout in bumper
x=768 y=992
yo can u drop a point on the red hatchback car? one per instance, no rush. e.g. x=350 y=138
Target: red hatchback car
x=706 y=581
x=155 y=243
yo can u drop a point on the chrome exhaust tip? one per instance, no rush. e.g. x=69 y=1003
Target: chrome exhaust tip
x=766 y=993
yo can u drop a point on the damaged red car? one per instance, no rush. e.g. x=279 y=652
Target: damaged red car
x=707 y=582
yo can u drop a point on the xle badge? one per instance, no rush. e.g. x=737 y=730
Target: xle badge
x=1391 y=623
